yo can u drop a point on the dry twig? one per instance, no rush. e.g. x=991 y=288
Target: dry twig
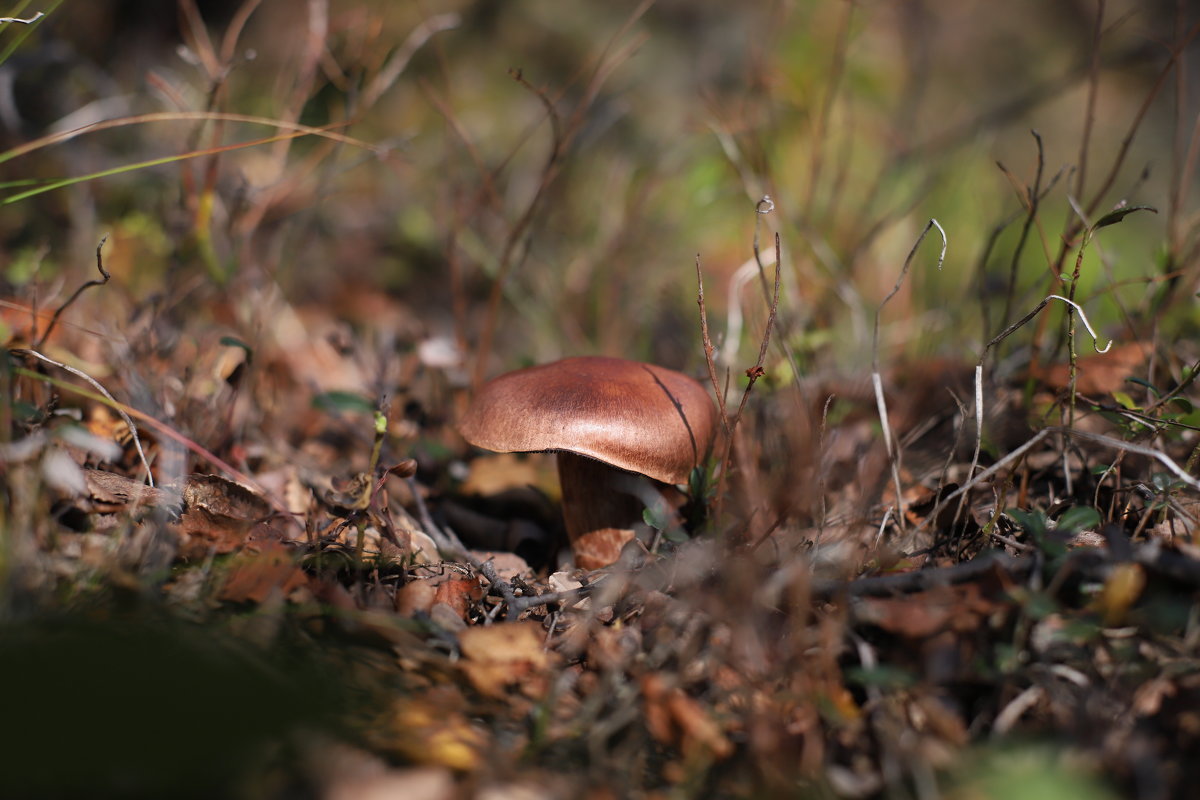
x=877 y=381
x=103 y=279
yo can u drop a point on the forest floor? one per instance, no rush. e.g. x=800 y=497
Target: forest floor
x=245 y=550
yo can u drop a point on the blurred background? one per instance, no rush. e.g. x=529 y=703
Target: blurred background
x=670 y=121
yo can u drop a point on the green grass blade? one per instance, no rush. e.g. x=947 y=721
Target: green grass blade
x=154 y=162
x=188 y=116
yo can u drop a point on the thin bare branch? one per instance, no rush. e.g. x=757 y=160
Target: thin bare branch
x=754 y=373
x=933 y=223
x=708 y=349
x=103 y=279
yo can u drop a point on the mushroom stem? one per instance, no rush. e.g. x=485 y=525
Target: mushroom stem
x=598 y=508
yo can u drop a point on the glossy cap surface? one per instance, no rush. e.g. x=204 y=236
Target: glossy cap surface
x=634 y=416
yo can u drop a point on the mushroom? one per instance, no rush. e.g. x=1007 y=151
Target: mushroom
x=605 y=418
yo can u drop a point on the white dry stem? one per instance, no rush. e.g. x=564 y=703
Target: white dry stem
x=869 y=661
x=1071 y=674
x=990 y=471
x=979 y=376
x=395 y=65
x=1011 y=713
x=1068 y=481
x=1098 y=438
x=883 y=523
x=743 y=275
x=1083 y=317
x=29 y=21
x=116 y=406
x=733 y=327
x=821 y=478
x=893 y=451
x=945 y=243
x=1138 y=449
x=962 y=504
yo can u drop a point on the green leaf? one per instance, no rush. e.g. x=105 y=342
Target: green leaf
x=1126 y=401
x=654 y=519
x=883 y=676
x=25 y=412
x=1040 y=605
x=230 y=341
x=343 y=401
x=676 y=535
x=700 y=484
x=1079 y=518
x=1115 y=418
x=1164 y=482
x=1026 y=770
x=1032 y=522
x=1007 y=658
x=1118 y=214
x=1146 y=383
x=1035 y=524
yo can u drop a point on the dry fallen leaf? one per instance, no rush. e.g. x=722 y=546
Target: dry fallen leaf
x=494 y=473
x=1149 y=697
x=497 y=657
x=117 y=491
x=331 y=593
x=415 y=596
x=1099 y=373
x=352 y=494
x=508 y=565
x=218 y=495
x=599 y=548
x=255 y=576
x=220 y=516
x=924 y=614
x=458 y=594
x=674 y=718
x=613 y=647
x=202 y=531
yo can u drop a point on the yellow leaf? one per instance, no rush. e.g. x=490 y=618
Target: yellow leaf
x=425 y=733
x=1120 y=591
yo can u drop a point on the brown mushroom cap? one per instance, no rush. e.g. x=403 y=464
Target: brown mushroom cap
x=638 y=417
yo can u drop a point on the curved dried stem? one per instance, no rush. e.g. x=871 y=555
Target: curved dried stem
x=113 y=404
x=893 y=452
